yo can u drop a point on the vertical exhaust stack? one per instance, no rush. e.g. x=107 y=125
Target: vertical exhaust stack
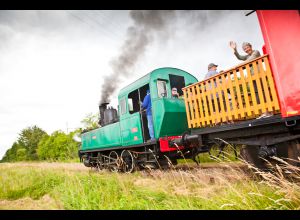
x=102 y=108
x=110 y=116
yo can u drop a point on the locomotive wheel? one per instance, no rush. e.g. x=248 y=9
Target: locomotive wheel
x=128 y=161
x=164 y=163
x=290 y=150
x=113 y=161
x=150 y=166
x=99 y=162
x=249 y=153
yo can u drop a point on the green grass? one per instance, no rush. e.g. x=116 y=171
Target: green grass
x=18 y=183
x=87 y=189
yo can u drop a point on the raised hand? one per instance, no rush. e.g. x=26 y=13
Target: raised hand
x=232 y=44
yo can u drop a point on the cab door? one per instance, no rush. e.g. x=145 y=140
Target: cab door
x=131 y=130
x=133 y=123
x=130 y=122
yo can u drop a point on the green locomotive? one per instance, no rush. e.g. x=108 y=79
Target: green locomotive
x=122 y=141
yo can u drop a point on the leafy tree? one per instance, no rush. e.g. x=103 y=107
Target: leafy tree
x=25 y=146
x=58 y=146
x=29 y=139
x=11 y=154
x=90 y=121
x=43 y=147
x=21 y=154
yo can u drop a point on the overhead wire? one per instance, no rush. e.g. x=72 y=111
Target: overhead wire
x=80 y=18
x=112 y=34
x=104 y=16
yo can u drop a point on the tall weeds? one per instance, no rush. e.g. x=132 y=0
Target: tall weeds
x=222 y=185
x=237 y=185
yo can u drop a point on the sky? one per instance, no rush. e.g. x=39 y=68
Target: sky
x=53 y=64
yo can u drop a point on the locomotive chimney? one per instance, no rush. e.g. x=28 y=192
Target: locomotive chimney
x=102 y=108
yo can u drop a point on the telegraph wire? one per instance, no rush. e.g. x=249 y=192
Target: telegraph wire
x=112 y=38
x=105 y=17
x=101 y=25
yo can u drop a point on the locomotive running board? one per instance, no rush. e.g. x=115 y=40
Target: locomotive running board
x=154 y=142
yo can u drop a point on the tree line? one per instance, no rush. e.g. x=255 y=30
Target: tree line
x=33 y=143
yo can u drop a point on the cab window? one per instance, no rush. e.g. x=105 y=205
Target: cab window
x=123 y=106
x=161 y=89
x=133 y=102
x=177 y=82
x=136 y=97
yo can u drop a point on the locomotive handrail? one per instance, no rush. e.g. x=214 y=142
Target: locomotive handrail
x=239 y=93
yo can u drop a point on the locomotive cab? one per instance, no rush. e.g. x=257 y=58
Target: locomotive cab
x=167 y=112
x=122 y=143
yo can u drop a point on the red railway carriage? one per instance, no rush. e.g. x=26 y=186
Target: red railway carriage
x=281 y=33
x=268 y=84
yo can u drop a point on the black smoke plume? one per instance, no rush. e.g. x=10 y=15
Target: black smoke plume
x=139 y=36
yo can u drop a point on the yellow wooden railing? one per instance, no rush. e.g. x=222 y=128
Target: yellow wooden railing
x=243 y=92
